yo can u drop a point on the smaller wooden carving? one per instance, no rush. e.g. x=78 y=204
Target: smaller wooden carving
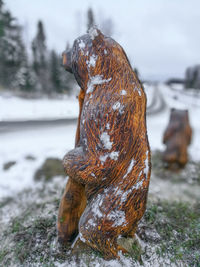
x=177 y=137
x=109 y=168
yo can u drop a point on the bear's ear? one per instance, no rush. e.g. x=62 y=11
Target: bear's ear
x=95 y=33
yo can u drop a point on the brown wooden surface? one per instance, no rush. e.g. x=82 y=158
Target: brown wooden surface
x=112 y=157
x=177 y=137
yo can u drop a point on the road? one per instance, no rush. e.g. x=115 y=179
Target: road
x=13 y=126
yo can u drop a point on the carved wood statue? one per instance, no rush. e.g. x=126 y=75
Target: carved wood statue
x=109 y=168
x=177 y=137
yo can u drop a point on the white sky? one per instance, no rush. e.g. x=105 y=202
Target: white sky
x=161 y=37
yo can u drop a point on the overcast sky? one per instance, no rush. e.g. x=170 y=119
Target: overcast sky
x=161 y=37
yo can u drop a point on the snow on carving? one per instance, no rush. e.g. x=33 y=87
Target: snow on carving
x=130 y=167
x=81 y=44
x=92 y=61
x=95 y=80
x=146 y=169
x=93 y=33
x=123 y=92
x=105 y=139
x=118 y=217
x=114 y=155
x=116 y=105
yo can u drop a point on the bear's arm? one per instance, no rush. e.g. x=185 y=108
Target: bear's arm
x=80 y=168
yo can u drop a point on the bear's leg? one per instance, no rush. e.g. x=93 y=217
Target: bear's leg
x=102 y=242
x=99 y=235
x=71 y=207
x=183 y=157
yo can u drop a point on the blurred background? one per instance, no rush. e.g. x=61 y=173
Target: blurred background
x=38 y=99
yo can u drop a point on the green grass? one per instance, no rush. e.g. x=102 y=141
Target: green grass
x=178 y=225
x=169 y=230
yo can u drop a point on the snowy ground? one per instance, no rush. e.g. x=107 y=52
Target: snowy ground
x=28 y=148
x=13 y=108
x=55 y=141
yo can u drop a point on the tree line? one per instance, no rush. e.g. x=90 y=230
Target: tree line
x=42 y=71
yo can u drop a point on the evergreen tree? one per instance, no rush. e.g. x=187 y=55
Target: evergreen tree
x=26 y=79
x=40 y=63
x=11 y=47
x=55 y=72
x=39 y=48
x=1 y=18
x=90 y=18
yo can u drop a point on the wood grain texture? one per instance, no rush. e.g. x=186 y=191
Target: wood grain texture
x=112 y=157
x=177 y=137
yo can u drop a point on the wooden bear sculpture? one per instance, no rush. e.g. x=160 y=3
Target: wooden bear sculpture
x=109 y=169
x=177 y=137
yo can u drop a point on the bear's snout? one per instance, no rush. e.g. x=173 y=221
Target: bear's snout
x=66 y=60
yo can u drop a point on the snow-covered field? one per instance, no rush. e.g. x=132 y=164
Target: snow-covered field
x=13 y=108
x=55 y=141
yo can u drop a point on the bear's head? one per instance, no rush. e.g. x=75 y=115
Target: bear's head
x=94 y=55
x=180 y=116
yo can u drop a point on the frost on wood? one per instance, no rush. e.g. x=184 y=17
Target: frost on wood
x=146 y=168
x=119 y=107
x=108 y=183
x=118 y=217
x=123 y=92
x=96 y=80
x=113 y=156
x=92 y=61
x=81 y=44
x=105 y=138
x=130 y=167
x=116 y=105
x=93 y=33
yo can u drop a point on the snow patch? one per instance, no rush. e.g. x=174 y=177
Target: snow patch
x=114 y=155
x=105 y=52
x=81 y=44
x=116 y=105
x=105 y=138
x=146 y=169
x=138 y=185
x=82 y=238
x=138 y=90
x=123 y=92
x=103 y=158
x=93 y=33
x=118 y=217
x=130 y=167
x=95 y=206
x=95 y=80
x=108 y=126
x=92 y=61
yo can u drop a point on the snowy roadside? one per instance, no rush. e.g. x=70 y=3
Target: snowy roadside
x=18 y=109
